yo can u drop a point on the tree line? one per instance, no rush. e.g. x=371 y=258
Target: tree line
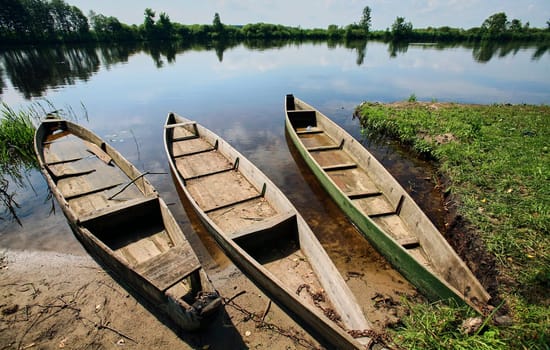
x=35 y=21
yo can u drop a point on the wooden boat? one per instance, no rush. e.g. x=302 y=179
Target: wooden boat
x=380 y=207
x=120 y=219
x=263 y=234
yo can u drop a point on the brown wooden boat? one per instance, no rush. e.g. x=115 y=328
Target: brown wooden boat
x=120 y=219
x=379 y=206
x=263 y=234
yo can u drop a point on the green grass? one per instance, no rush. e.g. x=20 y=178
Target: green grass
x=16 y=154
x=16 y=148
x=496 y=160
x=16 y=140
x=438 y=326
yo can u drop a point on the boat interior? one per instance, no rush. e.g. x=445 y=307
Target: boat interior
x=112 y=207
x=240 y=210
x=328 y=150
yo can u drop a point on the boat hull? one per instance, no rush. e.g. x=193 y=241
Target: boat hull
x=463 y=287
x=113 y=230
x=246 y=259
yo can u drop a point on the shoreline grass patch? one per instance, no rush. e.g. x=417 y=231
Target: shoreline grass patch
x=495 y=159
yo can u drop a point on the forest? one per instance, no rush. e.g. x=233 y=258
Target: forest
x=42 y=21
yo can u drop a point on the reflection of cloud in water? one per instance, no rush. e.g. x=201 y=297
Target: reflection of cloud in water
x=265 y=147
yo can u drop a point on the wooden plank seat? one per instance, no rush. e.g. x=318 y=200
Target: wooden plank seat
x=181 y=134
x=210 y=173
x=409 y=242
x=272 y=224
x=92 y=191
x=310 y=130
x=198 y=151
x=177 y=125
x=230 y=204
x=326 y=148
x=59 y=174
x=64 y=161
x=359 y=195
x=169 y=267
x=119 y=207
x=341 y=166
x=397 y=210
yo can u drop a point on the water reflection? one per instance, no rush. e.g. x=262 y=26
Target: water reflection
x=34 y=70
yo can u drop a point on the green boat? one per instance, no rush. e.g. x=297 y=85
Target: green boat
x=382 y=210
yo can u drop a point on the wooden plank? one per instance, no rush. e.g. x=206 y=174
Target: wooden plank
x=353 y=181
x=322 y=148
x=409 y=242
x=360 y=195
x=70 y=149
x=202 y=163
x=264 y=224
x=101 y=154
x=341 y=166
x=91 y=191
x=79 y=166
x=118 y=207
x=170 y=267
x=190 y=146
x=317 y=140
x=311 y=130
x=243 y=214
x=218 y=191
x=394 y=226
x=177 y=125
x=330 y=157
x=64 y=161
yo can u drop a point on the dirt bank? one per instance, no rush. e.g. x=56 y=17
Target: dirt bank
x=53 y=301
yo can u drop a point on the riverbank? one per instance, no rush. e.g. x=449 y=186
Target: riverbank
x=52 y=300
x=493 y=169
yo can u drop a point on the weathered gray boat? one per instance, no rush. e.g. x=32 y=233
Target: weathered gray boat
x=120 y=219
x=263 y=234
x=379 y=206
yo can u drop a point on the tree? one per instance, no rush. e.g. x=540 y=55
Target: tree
x=217 y=23
x=165 y=27
x=149 y=22
x=365 y=22
x=13 y=19
x=496 y=25
x=401 y=29
x=515 y=25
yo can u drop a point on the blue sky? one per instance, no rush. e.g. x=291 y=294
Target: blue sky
x=319 y=14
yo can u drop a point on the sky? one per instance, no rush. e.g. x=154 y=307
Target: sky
x=321 y=13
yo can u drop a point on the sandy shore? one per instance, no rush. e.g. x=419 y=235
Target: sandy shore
x=52 y=301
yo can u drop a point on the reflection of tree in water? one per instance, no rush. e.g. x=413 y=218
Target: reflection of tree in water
x=33 y=70
x=115 y=53
x=361 y=47
x=540 y=51
x=395 y=47
x=484 y=51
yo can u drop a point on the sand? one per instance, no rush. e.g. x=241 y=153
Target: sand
x=54 y=301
